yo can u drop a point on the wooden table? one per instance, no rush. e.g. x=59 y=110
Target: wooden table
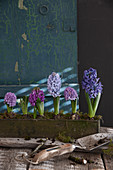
x=10 y=148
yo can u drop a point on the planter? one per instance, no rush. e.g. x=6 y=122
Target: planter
x=48 y=128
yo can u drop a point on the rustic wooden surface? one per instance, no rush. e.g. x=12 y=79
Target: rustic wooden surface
x=10 y=148
x=108 y=162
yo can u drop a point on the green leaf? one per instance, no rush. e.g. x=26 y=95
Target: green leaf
x=90 y=108
x=24 y=104
x=38 y=100
x=40 y=108
x=35 y=113
x=96 y=102
x=9 y=109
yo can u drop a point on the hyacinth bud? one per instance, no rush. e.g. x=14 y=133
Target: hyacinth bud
x=71 y=94
x=54 y=84
x=10 y=101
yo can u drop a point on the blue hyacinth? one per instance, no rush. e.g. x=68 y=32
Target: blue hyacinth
x=93 y=89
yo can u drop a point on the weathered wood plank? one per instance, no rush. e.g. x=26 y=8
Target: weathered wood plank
x=8 y=161
x=32 y=143
x=21 y=142
x=108 y=162
x=98 y=163
x=106 y=130
x=18 y=142
x=61 y=163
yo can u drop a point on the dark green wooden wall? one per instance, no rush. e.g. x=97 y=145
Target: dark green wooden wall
x=37 y=37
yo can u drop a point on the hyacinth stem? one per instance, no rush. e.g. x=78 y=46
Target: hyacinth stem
x=25 y=104
x=90 y=108
x=9 y=109
x=56 y=102
x=92 y=104
x=40 y=108
x=24 y=110
x=96 y=102
x=74 y=105
x=35 y=113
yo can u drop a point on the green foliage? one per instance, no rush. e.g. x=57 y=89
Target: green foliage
x=40 y=107
x=74 y=105
x=9 y=109
x=24 y=104
x=35 y=113
x=92 y=104
x=109 y=151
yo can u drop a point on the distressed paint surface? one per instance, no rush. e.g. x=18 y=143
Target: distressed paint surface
x=36 y=38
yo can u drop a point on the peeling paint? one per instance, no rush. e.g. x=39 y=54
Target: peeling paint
x=16 y=66
x=22 y=46
x=21 y=6
x=24 y=36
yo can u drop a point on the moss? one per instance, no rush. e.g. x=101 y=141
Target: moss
x=63 y=138
x=27 y=138
x=50 y=115
x=109 y=151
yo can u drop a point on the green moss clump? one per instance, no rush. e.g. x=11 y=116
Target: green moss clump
x=67 y=116
x=63 y=138
x=109 y=151
x=27 y=138
x=85 y=116
x=49 y=115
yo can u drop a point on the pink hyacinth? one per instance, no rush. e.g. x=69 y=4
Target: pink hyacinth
x=36 y=94
x=70 y=94
x=10 y=99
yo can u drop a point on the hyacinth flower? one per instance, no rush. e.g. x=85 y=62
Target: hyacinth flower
x=53 y=86
x=93 y=89
x=23 y=103
x=36 y=99
x=10 y=101
x=71 y=94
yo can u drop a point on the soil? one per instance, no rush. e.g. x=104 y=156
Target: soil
x=50 y=115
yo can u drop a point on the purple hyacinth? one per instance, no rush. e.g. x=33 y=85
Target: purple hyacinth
x=70 y=94
x=91 y=83
x=36 y=94
x=10 y=99
x=54 y=84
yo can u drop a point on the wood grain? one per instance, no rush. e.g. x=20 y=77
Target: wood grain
x=108 y=162
x=32 y=143
x=8 y=161
x=61 y=163
x=98 y=163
